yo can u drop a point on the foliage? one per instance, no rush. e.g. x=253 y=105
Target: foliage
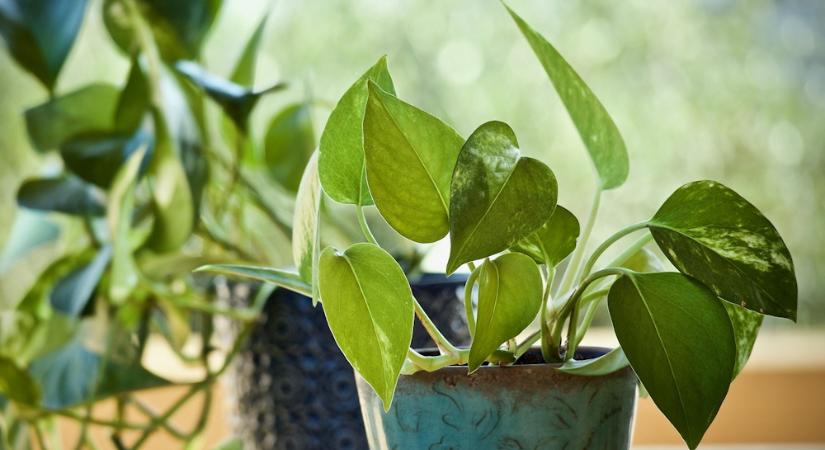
x=676 y=329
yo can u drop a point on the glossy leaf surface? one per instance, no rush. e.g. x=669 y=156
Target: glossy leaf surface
x=289 y=143
x=679 y=340
x=306 y=237
x=410 y=156
x=554 y=240
x=509 y=297
x=497 y=196
x=282 y=278
x=89 y=108
x=602 y=139
x=66 y=194
x=369 y=308
x=746 y=325
x=711 y=233
x=608 y=363
x=40 y=33
x=341 y=163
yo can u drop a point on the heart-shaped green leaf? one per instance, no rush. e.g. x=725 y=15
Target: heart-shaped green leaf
x=509 y=297
x=289 y=143
x=497 y=197
x=596 y=129
x=410 y=157
x=746 y=325
x=306 y=236
x=40 y=33
x=711 y=233
x=554 y=240
x=608 y=363
x=679 y=341
x=66 y=194
x=341 y=164
x=87 y=109
x=369 y=307
x=124 y=274
x=281 y=278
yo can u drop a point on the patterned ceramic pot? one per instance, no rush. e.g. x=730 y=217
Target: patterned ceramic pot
x=291 y=388
x=526 y=406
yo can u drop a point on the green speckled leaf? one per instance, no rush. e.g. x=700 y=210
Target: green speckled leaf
x=410 y=156
x=369 y=308
x=746 y=325
x=711 y=233
x=497 y=197
x=341 y=163
x=554 y=240
x=509 y=297
x=596 y=128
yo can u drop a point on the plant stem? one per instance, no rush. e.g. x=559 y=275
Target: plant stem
x=365 y=228
x=468 y=302
x=571 y=306
x=444 y=345
x=544 y=325
x=573 y=267
x=607 y=243
x=527 y=344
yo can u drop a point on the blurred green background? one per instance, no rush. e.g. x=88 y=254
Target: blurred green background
x=733 y=91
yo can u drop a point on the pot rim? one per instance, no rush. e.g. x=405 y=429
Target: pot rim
x=595 y=351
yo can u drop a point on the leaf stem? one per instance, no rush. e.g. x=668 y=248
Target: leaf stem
x=571 y=273
x=594 y=257
x=443 y=344
x=365 y=228
x=545 y=326
x=570 y=308
x=468 y=301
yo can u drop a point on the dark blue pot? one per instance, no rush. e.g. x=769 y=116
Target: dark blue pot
x=293 y=389
x=526 y=406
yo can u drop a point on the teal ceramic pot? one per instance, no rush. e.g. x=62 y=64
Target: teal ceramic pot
x=525 y=406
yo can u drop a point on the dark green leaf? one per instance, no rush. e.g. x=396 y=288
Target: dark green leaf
x=67 y=375
x=236 y=101
x=289 y=142
x=134 y=99
x=124 y=275
x=556 y=239
x=306 y=231
x=89 y=108
x=244 y=71
x=679 y=340
x=72 y=293
x=713 y=234
x=369 y=308
x=596 y=128
x=16 y=384
x=410 y=156
x=178 y=26
x=341 y=163
x=509 y=297
x=66 y=194
x=282 y=278
x=40 y=33
x=96 y=157
x=608 y=363
x=497 y=196
x=746 y=325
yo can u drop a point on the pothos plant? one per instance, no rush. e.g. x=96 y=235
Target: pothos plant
x=686 y=334
x=143 y=194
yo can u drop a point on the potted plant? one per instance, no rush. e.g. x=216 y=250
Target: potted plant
x=684 y=334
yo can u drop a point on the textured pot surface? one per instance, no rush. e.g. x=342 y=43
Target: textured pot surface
x=530 y=406
x=291 y=388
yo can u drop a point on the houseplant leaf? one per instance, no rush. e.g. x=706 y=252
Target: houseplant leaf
x=509 y=297
x=65 y=194
x=244 y=71
x=554 y=240
x=306 y=236
x=711 y=233
x=289 y=143
x=596 y=129
x=341 y=163
x=369 y=307
x=40 y=33
x=124 y=275
x=497 y=196
x=410 y=156
x=30 y=230
x=679 y=341
x=89 y=108
x=67 y=375
x=746 y=325
x=134 y=100
x=282 y=278
x=608 y=363
x=96 y=157
x=71 y=294
x=16 y=384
